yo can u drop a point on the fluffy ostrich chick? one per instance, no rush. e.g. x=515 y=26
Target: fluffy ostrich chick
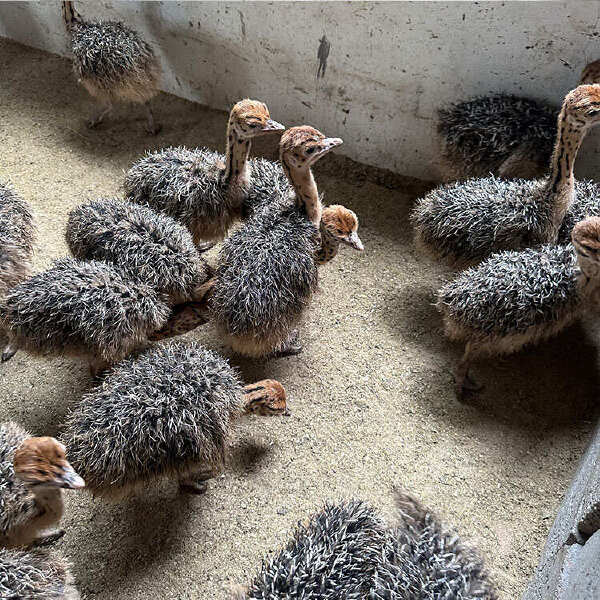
x=33 y=471
x=205 y=190
x=167 y=413
x=78 y=308
x=517 y=298
x=113 y=63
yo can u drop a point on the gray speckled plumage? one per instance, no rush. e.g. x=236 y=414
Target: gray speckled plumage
x=17 y=234
x=186 y=184
x=479 y=135
x=346 y=551
x=35 y=575
x=17 y=504
x=333 y=556
x=78 y=307
x=113 y=61
x=585 y=204
x=160 y=414
x=467 y=221
x=512 y=292
x=423 y=560
x=265 y=278
x=149 y=247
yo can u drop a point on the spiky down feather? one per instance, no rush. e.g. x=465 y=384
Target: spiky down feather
x=266 y=277
x=35 y=575
x=480 y=134
x=113 y=62
x=149 y=247
x=512 y=292
x=161 y=414
x=17 y=236
x=78 y=307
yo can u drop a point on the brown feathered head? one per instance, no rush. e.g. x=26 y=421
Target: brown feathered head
x=301 y=147
x=342 y=224
x=251 y=118
x=265 y=397
x=41 y=462
x=591 y=73
x=583 y=103
x=586 y=239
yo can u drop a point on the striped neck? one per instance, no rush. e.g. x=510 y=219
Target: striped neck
x=329 y=247
x=560 y=187
x=305 y=188
x=237 y=150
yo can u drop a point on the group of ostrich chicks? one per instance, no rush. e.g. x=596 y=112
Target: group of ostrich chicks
x=137 y=276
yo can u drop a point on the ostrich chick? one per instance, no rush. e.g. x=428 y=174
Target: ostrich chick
x=518 y=298
x=79 y=308
x=33 y=470
x=203 y=189
x=148 y=247
x=166 y=413
x=17 y=236
x=113 y=63
x=35 y=575
x=467 y=221
x=347 y=551
x=504 y=135
x=268 y=268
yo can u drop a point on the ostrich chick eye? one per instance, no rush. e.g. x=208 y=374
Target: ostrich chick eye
x=310 y=150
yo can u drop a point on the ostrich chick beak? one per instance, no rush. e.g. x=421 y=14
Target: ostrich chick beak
x=271 y=125
x=354 y=241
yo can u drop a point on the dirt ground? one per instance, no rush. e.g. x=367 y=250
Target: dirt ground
x=372 y=397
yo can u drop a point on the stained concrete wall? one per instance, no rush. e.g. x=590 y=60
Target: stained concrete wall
x=390 y=65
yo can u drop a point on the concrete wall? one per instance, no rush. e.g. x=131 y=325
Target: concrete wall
x=390 y=64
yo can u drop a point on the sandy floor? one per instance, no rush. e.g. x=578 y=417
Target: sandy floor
x=371 y=395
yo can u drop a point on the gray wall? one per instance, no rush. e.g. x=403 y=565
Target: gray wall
x=390 y=64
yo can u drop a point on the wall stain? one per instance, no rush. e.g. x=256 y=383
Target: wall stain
x=243 y=23
x=322 y=54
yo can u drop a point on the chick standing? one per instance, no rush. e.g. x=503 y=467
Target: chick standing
x=467 y=221
x=164 y=414
x=203 y=189
x=113 y=63
x=503 y=135
x=267 y=269
x=148 y=247
x=33 y=470
x=78 y=308
x=518 y=298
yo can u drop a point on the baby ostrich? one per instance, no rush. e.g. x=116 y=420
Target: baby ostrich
x=518 y=298
x=79 y=308
x=467 y=221
x=504 y=135
x=17 y=234
x=347 y=551
x=113 y=63
x=268 y=268
x=148 y=247
x=166 y=413
x=35 y=575
x=203 y=189
x=33 y=470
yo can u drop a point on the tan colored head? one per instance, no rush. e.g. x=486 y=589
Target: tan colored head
x=265 y=397
x=342 y=224
x=40 y=462
x=301 y=147
x=583 y=105
x=591 y=73
x=251 y=118
x=586 y=240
